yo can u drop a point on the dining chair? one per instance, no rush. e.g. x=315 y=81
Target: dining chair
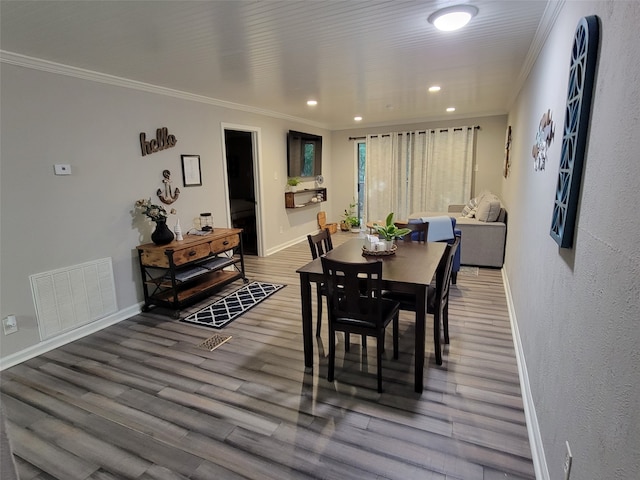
x=355 y=305
x=419 y=231
x=437 y=297
x=320 y=243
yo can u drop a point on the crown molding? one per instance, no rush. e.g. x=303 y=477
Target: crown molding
x=17 y=59
x=548 y=20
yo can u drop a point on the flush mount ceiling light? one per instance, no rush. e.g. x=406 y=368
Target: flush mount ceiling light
x=452 y=18
x=358 y=118
x=312 y=103
x=451 y=109
x=434 y=88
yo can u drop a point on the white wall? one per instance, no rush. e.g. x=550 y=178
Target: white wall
x=50 y=222
x=489 y=156
x=577 y=310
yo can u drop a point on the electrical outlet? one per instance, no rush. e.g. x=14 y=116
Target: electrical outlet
x=10 y=324
x=568 y=458
x=281 y=229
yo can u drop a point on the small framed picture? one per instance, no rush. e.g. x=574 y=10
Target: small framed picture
x=191 y=174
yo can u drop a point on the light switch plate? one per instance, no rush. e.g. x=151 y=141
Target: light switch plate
x=62 y=169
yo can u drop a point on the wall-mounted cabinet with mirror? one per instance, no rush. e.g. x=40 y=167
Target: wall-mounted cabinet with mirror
x=304 y=154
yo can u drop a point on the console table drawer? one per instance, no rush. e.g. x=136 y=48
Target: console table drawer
x=195 y=252
x=226 y=243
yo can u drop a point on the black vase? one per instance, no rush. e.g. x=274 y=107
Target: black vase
x=162 y=234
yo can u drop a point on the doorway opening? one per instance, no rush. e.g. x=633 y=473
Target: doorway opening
x=240 y=151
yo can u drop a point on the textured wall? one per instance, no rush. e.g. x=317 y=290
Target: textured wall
x=578 y=309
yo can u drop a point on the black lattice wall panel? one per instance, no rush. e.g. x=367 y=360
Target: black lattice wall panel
x=584 y=56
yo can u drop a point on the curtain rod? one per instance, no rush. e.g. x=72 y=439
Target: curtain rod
x=475 y=127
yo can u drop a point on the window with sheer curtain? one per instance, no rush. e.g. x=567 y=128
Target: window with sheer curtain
x=409 y=172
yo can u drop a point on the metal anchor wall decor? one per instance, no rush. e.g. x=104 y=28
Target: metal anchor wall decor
x=165 y=195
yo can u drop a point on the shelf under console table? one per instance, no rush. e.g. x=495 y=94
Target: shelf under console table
x=182 y=272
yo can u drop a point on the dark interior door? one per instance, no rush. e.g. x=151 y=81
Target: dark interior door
x=242 y=198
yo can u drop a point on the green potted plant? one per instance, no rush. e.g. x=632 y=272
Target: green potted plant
x=351 y=220
x=293 y=183
x=389 y=232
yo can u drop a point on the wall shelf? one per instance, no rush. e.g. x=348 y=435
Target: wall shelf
x=303 y=198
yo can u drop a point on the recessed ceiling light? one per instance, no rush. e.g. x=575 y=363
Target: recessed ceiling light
x=452 y=18
x=451 y=109
x=357 y=119
x=312 y=103
x=434 y=88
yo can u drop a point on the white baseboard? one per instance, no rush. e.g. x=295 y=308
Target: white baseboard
x=63 y=339
x=535 y=439
x=282 y=246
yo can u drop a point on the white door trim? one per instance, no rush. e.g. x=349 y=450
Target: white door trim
x=256 y=140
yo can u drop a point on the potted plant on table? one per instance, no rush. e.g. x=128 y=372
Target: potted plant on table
x=351 y=220
x=389 y=232
x=157 y=213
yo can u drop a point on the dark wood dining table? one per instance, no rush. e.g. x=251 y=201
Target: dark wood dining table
x=409 y=270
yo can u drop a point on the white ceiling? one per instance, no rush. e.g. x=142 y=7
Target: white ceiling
x=370 y=58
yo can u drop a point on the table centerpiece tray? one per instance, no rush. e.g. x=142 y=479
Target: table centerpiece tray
x=380 y=253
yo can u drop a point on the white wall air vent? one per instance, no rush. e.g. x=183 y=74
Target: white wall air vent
x=70 y=297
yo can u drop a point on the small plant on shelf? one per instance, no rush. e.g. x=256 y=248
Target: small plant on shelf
x=293 y=183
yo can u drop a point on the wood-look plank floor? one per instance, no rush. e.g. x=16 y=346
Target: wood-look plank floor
x=140 y=400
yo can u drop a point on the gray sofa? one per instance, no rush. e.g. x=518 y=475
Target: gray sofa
x=482 y=243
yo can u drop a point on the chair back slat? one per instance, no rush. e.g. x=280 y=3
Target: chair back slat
x=320 y=243
x=443 y=273
x=354 y=290
x=419 y=231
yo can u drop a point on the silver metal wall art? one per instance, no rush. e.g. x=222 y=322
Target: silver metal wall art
x=544 y=136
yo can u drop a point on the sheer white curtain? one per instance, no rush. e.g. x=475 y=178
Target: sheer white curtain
x=409 y=172
x=383 y=175
x=442 y=169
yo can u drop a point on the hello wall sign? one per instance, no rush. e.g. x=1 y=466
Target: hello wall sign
x=162 y=141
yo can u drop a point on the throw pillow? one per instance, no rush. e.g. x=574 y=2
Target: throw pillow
x=470 y=208
x=488 y=209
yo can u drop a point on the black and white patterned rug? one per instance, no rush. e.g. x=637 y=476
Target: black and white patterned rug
x=225 y=310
